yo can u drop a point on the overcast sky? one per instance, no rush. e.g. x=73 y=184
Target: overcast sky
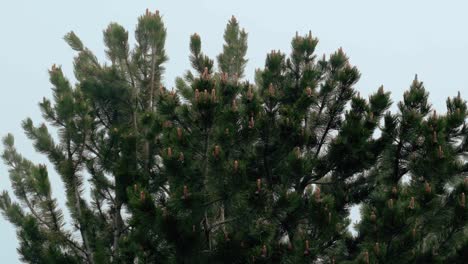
x=388 y=42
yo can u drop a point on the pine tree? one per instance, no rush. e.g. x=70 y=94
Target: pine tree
x=221 y=170
x=422 y=219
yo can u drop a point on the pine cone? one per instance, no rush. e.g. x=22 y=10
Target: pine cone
x=271 y=90
x=259 y=186
x=216 y=152
x=427 y=188
x=264 y=251
x=441 y=152
x=197 y=95
x=186 y=192
x=306 y=251
x=297 y=151
x=317 y=194
x=179 y=133
x=366 y=257
x=377 y=248
x=205 y=74
x=167 y=123
x=169 y=152
x=411 y=205
x=234 y=105
x=373 y=217
x=308 y=91
x=213 y=94
x=251 y=122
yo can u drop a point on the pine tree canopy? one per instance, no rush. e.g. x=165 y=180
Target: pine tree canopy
x=223 y=170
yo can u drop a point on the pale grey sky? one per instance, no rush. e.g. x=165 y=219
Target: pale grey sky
x=389 y=42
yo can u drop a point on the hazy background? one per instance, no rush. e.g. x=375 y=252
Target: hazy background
x=388 y=42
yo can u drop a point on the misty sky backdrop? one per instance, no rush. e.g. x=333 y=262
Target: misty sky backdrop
x=389 y=43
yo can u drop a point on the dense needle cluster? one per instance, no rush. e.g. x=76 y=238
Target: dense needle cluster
x=222 y=170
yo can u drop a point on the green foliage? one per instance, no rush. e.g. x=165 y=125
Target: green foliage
x=423 y=219
x=221 y=170
x=232 y=60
